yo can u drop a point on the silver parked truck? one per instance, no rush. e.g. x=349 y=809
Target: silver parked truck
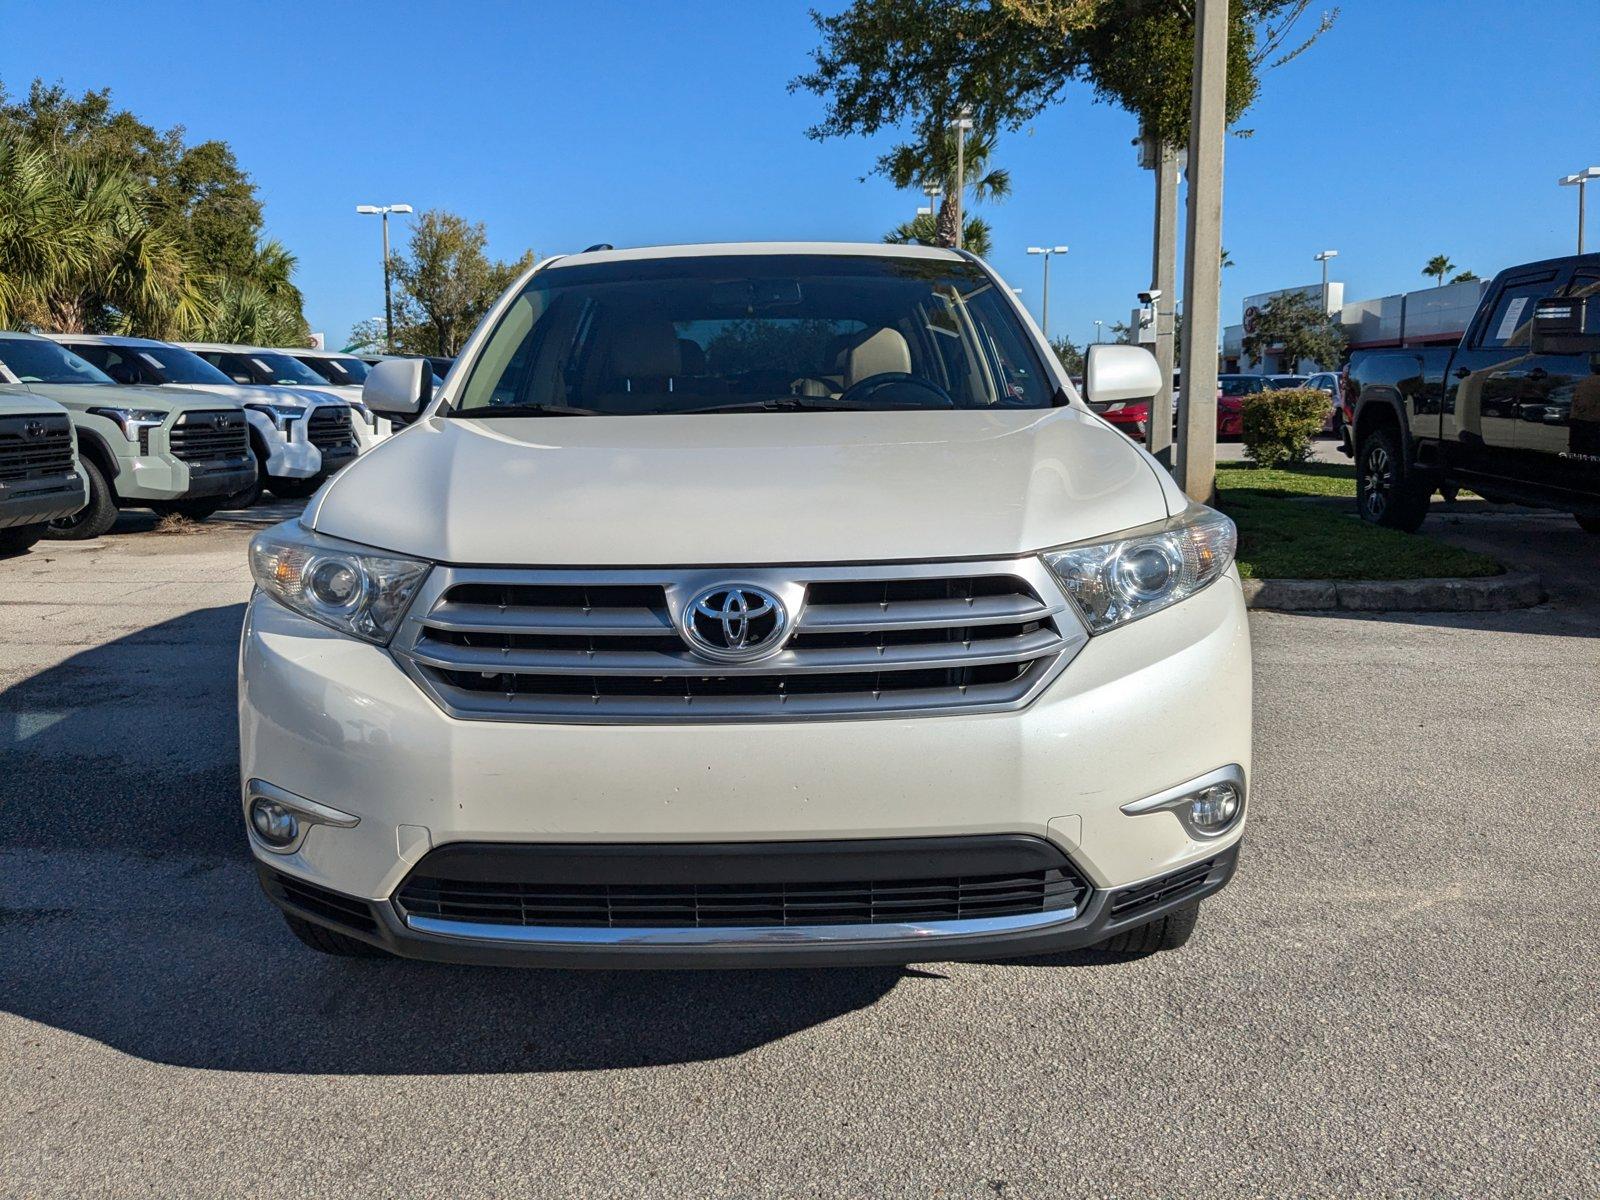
x=39 y=476
x=156 y=448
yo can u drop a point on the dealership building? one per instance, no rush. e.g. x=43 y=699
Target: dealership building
x=1426 y=317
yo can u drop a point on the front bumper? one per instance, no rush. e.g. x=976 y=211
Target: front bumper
x=35 y=501
x=1140 y=709
x=1101 y=914
x=164 y=477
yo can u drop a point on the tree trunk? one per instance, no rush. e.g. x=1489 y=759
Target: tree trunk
x=945 y=227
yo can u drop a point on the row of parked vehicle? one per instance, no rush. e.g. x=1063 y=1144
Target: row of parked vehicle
x=1133 y=418
x=90 y=424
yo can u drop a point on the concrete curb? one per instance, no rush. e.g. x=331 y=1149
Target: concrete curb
x=1494 y=593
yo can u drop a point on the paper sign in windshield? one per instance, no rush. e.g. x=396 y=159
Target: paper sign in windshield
x=1509 y=322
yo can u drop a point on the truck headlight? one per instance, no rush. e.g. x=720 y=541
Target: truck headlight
x=132 y=421
x=343 y=585
x=1143 y=570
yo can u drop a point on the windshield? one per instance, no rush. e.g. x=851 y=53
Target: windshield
x=284 y=368
x=1240 y=385
x=757 y=333
x=350 y=372
x=45 y=362
x=174 y=364
x=1288 y=381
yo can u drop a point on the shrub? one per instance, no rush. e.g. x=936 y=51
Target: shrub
x=1279 y=426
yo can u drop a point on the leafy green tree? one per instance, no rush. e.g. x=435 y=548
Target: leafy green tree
x=366 y=337
x=898 y=64
x=1295 y=322
x=976 y=236
x=1071 y=356
x=447 y=282
x=1438 y=267
x=180 y=202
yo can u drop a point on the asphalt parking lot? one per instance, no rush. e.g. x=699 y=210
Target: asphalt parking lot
x=1396 y=995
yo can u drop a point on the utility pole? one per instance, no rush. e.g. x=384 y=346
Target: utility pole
x=1164 y=280
x=1578 y=180
x=1323 y=259
x=1047 y=251
x=961 y=125
x=384 y=210
x=1202 y=282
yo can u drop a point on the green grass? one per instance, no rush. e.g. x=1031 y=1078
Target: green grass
x=1286 y=532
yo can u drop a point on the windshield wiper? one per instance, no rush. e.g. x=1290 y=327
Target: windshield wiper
x=523 y=410
x=781 y=404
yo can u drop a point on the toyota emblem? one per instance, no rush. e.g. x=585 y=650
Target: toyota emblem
x=33 y=429
x=735 y=622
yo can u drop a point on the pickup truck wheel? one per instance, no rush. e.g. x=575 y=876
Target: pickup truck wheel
x=326 y=941
x=195 y=510
x=1587 y=524
x=1164 y=933
x=94 y=518
x=293 y=489
x=20 y=538
x=1387 y=492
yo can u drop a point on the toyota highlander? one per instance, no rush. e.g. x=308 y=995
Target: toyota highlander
x=748 y=605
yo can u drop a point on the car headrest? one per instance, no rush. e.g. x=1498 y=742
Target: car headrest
x=644 y=349
x=691 y=357
x=885 y=351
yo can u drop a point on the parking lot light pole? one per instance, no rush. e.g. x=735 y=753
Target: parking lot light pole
x=1578 y=180
x=383 y=210
x=1097 y=325
x=1047 y=251
x=1323 y=259
x=962 y=125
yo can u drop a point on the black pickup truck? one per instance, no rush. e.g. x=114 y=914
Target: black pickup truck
x=1513 y=412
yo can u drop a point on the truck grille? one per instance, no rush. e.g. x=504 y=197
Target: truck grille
x=605 y=646
x=210 y=436
x=35 y=447
x=330 y=430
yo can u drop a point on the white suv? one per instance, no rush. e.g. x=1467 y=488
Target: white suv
x=748 y=605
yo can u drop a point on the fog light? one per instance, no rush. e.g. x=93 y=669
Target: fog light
x=274 y=824
x=1214 y=809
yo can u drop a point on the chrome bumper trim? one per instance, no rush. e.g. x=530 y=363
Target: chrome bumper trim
x=793 y=935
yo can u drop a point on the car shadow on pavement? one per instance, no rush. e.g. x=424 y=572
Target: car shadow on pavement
x=130 y=914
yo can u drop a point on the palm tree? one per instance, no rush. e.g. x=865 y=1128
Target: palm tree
x=1439 y=266
x=934 y=161
x=924 y=231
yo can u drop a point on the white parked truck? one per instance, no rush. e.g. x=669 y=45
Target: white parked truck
x=748 y=605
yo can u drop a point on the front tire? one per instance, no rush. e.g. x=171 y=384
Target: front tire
x=327 y=941
x=94 y=518
x=19 y=539
x=1387 y=490
x=1164 y=933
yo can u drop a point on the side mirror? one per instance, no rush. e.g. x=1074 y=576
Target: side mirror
x=399 y=387
x=1558 y=327
x=1120 y=373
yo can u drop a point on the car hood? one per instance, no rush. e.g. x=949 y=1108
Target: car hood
x=769 y=488
x=116 y=395
x=254 y=393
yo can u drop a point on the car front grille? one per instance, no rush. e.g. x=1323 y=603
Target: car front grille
x=35 y=447
x=207 y=437
x=1158 y=891
x=348 y=911
x=605 y=646
x=668 y=887
x=330 y=429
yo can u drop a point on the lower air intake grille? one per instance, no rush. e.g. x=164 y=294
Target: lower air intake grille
x=1169 y=887
x=330 y=906
x=778 y=885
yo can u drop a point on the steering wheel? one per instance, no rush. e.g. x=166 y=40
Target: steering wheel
x=862 y=389
x=797 y=386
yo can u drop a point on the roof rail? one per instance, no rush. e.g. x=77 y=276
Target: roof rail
x=598 y=246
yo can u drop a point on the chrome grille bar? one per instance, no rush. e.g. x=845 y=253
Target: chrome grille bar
x=603 y=646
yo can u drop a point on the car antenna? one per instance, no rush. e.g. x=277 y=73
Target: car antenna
x=598 y=246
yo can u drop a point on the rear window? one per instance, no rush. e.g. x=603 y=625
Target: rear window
x=756 y=333
x=1240 y=385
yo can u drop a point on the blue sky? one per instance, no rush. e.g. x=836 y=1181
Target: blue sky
x=1416 y=127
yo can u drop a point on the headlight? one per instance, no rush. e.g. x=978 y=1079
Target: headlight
x=281 y=415
x=132 y=420
x=346 y=587
x=1143 y=570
